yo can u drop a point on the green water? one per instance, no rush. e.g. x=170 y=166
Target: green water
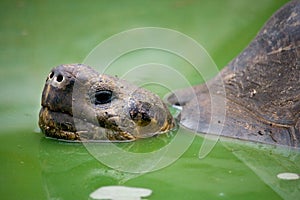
x=37 y=35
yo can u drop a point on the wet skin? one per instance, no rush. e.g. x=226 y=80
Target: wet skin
x=78 y=103
x=260 y=102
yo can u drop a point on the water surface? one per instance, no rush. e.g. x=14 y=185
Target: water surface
x=36 y=36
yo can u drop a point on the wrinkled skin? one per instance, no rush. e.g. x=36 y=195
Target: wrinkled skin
x=262 y=88
x=260 y=100
x=78 y=103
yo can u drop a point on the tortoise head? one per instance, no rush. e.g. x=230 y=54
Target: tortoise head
x=78 y=103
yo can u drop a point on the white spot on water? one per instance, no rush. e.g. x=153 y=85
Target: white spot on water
x=120 y=193
x=288 y=176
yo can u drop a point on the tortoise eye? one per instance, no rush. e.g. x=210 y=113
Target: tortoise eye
x=103 y=97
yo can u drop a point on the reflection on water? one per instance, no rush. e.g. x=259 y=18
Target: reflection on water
x=269 y=161
x=70 y=171
x=143 y=156
x=75 y=163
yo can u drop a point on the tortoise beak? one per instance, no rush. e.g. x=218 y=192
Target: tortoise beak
x=57 y=93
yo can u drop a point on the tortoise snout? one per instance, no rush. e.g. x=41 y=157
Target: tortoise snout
x=57 y=78
x=57 y=93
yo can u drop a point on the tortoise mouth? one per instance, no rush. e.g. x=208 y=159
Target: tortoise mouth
x=64 y=126
x=57 y=124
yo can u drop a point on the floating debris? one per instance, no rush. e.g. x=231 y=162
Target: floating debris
x=120 y=193
x=288 y=176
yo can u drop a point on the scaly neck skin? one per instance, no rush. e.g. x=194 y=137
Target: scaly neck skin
x=265 y=77
x=262 y=88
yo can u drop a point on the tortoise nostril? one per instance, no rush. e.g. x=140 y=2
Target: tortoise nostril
x=59 y=78
x=51 y=75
